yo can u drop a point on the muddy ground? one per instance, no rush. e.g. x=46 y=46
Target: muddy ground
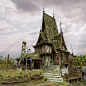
x=36 y=80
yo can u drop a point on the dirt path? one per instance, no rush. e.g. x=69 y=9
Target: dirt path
x=37 y=83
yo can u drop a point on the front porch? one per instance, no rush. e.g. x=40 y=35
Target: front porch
x=30 y=63
x=73 y=76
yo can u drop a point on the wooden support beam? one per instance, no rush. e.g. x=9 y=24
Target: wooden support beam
x=26 y=63
x=60 y=59
x=7 y=62
x=28 y=59
x=68 y=75
x=33 y=64
x=72 y=67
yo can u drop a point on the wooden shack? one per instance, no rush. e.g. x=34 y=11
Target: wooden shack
x=50 y=49
x=31 y=61
x=50 y=45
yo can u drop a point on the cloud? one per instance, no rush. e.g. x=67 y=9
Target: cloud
x=26 y=16
x=5 y=27
x=80 y=43
x=26 y=5
x=13 y=43
x=80 y=51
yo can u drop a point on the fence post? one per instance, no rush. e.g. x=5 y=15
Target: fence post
x=81 y=74
x=7 y=62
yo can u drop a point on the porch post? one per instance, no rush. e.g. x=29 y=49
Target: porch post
x=72 y=67
x=60 y=61
x=60 y=58
x=68 y=75
x=33 y=64
x=26 y=63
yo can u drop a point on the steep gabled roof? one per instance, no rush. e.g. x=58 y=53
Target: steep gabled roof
x=50 y=27
x=64 y=42
x=50 y=32
x=42 y=36
x=57 y=41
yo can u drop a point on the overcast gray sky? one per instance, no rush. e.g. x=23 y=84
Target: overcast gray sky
x=21 y=20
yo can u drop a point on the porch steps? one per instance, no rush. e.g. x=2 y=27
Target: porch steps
x=52 y=68
x=53 y=77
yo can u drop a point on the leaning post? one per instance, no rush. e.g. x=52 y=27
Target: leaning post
x=7 y=62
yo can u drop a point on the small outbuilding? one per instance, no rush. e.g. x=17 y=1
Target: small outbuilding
x=30 y=61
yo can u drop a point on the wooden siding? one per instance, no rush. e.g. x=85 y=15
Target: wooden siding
x=48 y=49
x=56 y=59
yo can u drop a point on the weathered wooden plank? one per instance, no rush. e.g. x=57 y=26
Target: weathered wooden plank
x=74 y=78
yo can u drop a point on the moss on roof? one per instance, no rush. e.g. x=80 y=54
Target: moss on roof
x=52 y=31
x=17 y=58
x=57 y=42
x=43 y=35
x=34 y=55
x=50 y=27
x=49 y=31
x=65 y=50
x=36 y=58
